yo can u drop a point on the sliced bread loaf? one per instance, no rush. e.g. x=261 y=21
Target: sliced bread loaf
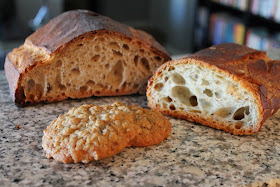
x=229 y=87
x=79 y=54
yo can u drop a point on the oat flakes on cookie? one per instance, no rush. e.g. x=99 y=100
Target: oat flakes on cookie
x=92 y=132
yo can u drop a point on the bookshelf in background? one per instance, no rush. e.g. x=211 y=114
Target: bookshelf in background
x=255 y=23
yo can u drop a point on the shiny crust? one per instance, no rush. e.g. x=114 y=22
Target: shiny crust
x=255 y=71
x=60 y=33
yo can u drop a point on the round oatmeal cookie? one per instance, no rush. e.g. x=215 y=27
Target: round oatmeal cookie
x=91 y=132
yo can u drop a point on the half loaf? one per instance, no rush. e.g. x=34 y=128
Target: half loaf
x=80 y=54
x=228 y=86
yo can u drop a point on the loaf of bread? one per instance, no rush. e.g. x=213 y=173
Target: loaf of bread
x=80 y=54
x=228 y=86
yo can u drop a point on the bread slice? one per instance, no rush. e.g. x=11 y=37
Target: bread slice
x=80 y=54
x=229 y=87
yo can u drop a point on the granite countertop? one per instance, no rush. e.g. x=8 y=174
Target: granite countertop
x=193 y=155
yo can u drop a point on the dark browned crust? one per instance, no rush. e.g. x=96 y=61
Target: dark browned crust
x=60 y=33
x=69 y=25
x=251 y=67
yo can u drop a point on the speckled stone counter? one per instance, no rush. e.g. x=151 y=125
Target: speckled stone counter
x=194 y=155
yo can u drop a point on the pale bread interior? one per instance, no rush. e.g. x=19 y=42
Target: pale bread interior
x=199 y=91
x=102 y=65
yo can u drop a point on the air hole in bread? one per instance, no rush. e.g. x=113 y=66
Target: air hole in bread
x=157 y=58
x=117 y=53
x=58 y=78
x=171 y=68
x=158 y=87
x=208 y=92
x=219 y=77
x=39 y=90
x=172 y=107
x=224 y=112
x=166 y=79
x=178 y=79
x=142 y=50
x=75 y=72
x=136 y=60
x=124 y=84
x=107 y=66
x=145 y=63
x=49 y=88
x=62 y=87
x=83 y=89
x=90 y=83
x=168 y=99
x=125 y=47
x=205 y=82
x=193 y=100
x=79 y=45
x=116 y=74
x=204 y=103
x=89 y=66
x=58 y=63
x=31 y=96
x=97 y=48
x=182 y=93
x=240 y=113
x=30 y=83
x=63 y=94
x=217 y=95
x=95 y=58
x=114 y=45
x=97 y=92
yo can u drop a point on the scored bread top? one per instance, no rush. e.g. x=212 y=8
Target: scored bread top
x=72 y=25
x=250 y=64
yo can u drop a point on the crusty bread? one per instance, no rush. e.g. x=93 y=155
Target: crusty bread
x=79 y=54
x=91 y=132
x=229 y=87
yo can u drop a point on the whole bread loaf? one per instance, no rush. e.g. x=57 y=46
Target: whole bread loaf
x=228 y=86
x=80 y=54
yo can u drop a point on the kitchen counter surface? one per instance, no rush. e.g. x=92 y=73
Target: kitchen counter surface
x=193 y=155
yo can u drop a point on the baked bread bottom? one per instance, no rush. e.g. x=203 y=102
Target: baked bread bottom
x=91 y=132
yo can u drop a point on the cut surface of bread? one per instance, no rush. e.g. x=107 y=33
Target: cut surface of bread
x=92 y=132
x=232 y=92
x=86 y=55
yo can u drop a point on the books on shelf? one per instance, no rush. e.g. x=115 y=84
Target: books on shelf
x=269 y=9
x=226 y=29
x=261 y=39
x=239 y=4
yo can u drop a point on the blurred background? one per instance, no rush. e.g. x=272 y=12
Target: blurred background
x=181 y=26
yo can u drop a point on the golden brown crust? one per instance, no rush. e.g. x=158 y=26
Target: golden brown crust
x=91 y=132
x=251 y=68
x=59 y=34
